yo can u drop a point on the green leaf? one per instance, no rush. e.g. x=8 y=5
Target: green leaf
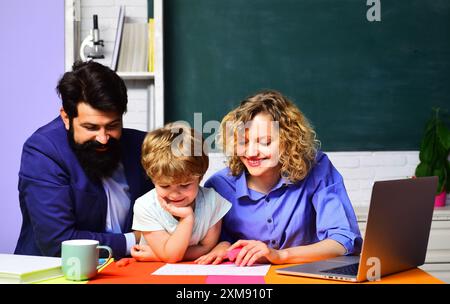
x=440 y=172
x=434 y=151
x=427 y=147
x=443 y=135
x=423 y=169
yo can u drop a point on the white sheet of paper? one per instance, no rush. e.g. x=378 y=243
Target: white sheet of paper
x=223 y=269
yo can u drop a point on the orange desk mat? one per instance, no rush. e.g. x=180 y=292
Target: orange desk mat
x=141 y=273
x=413 y=276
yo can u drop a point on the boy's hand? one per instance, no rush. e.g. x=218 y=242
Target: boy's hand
x=143 y=253
x=254 y=251
x=125 y=261
x=181 y=212
x=216 y=256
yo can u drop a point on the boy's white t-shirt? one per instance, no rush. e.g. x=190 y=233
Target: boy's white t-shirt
x=210 y=207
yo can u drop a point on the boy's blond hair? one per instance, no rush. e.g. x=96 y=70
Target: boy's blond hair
x=174 y=154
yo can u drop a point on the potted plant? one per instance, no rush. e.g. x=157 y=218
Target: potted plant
x=433 y=155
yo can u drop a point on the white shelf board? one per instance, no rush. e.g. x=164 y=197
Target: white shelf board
x=137 y=75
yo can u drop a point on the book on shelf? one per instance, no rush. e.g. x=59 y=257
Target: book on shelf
x=16 y=269
x=151 y=36
x=133 y=55
x=151 y=45
x=118 y=39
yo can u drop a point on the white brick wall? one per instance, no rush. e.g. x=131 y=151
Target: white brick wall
x=137 y=115
x=359 y=170
x=107 y=11
x=372 y=166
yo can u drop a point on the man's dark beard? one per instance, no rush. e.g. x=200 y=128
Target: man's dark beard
x=96 y=164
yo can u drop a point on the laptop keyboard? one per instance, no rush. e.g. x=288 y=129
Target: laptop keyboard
x=351 y=269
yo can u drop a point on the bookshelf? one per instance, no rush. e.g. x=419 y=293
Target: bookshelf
x=136 y=75
x=154 y=81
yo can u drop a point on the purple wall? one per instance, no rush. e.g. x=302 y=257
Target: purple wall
x=31 y=62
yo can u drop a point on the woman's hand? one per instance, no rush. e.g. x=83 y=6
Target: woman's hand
x=216 y=256
x=255 y=251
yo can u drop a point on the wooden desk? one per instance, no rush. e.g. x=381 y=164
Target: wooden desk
x=140 y=273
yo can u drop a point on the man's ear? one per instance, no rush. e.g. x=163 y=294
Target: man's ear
x=65 y=118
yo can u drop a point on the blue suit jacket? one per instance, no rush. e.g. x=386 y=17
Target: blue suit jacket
x=59 y=202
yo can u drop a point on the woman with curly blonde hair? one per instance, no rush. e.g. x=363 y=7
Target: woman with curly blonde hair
x=290 y=204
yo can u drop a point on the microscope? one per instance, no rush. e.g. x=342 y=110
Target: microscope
x=93 y=44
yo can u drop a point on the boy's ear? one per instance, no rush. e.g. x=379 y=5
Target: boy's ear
x=65 y=118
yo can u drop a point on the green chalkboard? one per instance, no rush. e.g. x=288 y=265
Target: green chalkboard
x=363 y=85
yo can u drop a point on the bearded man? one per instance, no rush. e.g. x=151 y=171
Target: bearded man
x=81 y=173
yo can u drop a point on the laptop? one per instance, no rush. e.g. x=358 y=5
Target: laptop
x=396 y=238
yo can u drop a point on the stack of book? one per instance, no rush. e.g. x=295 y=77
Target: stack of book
x=134 y=45
x=16 y=269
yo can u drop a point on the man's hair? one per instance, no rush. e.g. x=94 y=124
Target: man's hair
x=174 y=154
x=95 y=84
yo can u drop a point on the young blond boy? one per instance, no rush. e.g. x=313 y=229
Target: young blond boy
x=178 y=219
